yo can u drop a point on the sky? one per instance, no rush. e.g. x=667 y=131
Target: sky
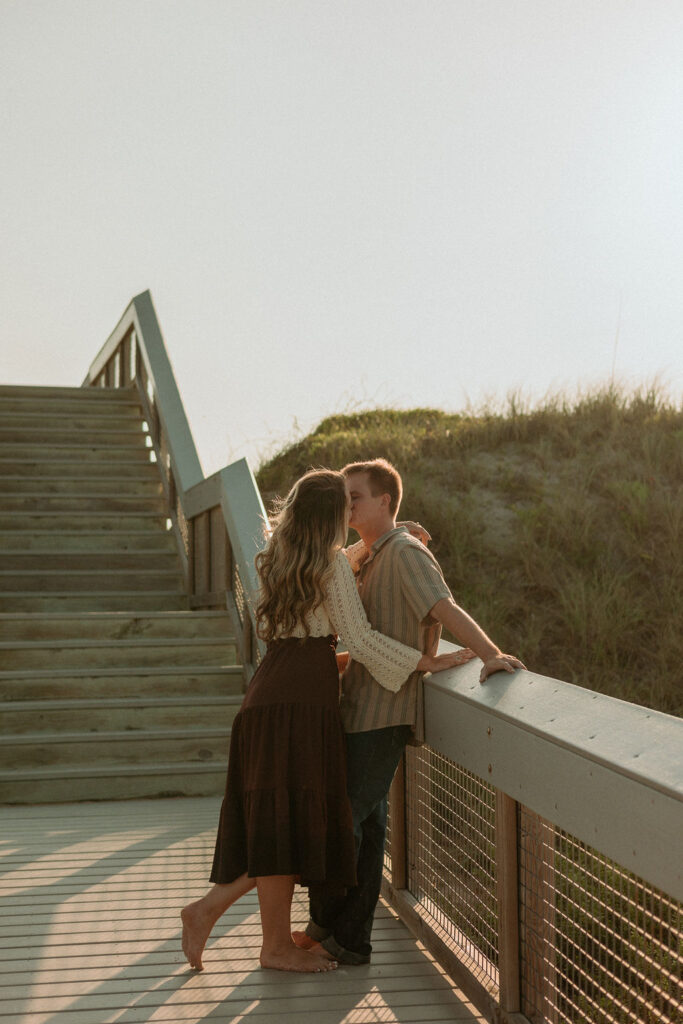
x=342 y=204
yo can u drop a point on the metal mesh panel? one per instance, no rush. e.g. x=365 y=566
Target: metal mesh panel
x=255 y=652
x=387 y=845
x=597 y=944
x=239 y=594
x=451 y=852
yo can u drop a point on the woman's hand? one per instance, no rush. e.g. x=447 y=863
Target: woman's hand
x=500 y=663
x=416 y=530
x=439 y=662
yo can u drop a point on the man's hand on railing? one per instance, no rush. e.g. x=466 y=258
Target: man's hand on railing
x=499 y=663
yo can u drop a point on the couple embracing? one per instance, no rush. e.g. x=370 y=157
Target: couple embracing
x=308 y=774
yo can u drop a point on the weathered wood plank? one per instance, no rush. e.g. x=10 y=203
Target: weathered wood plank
x=91 y=934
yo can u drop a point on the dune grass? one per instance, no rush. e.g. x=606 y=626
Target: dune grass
x=559 y=527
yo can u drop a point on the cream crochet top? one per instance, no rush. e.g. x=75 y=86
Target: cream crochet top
x=388 y=661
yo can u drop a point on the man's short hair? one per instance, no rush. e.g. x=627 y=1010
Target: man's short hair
x=383 y=479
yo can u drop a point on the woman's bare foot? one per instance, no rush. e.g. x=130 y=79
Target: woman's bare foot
x=197 y=925
x=294 y=959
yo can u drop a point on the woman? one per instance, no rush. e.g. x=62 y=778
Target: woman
x=285 y=815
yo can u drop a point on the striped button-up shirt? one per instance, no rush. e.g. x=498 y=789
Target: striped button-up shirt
x=399 y=584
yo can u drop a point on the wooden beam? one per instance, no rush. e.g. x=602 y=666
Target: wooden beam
x=507 y=891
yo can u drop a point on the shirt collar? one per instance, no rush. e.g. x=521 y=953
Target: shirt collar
x=374 y=548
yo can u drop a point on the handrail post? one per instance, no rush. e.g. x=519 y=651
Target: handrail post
x=537 y=918
x=125 y=379
x=507 y=892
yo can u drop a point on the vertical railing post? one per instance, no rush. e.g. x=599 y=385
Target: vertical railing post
x=537 y=915
x=201 y=558
x=125 y=361
x=399 y=844
x=191 y=589
x=172 y=491
x=247 y=637
x=228 y=563
x=507 y=892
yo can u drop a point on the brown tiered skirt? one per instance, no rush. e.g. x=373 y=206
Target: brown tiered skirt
x=285 y=810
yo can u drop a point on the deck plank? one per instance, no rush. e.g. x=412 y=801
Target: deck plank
x=89 y=932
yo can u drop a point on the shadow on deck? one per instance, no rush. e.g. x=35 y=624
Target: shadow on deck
x=90 y=895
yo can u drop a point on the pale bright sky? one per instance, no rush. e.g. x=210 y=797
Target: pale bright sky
x=343 y=204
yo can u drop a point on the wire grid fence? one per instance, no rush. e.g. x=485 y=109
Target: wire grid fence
x=387 y=844
x=238 y=593
x=450 y=820
x=597 y=944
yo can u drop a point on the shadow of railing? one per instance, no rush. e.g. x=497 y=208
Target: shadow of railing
x=100 y=940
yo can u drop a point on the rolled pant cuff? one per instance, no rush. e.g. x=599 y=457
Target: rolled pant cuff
x=344 y=956
x=315 y=932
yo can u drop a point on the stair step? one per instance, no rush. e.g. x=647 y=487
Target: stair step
x=132 y=437
x=121 y=714
x=113 y=747
x=90 y=601
x=89 y=404
x=45 y=417
x=106 y=653
x=89 y=452
x=94 y=580
x=44 y=391
x=111 y=687
x=118 y=782
x=77 y=502
x=151 y=521
x=135 y=469
x=80 y=542
x=152 y=680
x=116 y=625
x=111 y=486
x=91 y=561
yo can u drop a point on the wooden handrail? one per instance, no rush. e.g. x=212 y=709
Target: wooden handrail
x=608 y=771
x=218 y=521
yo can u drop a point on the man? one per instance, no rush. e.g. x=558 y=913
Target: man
x=405 y=596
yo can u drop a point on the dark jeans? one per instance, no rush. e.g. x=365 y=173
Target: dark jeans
x=347 y=915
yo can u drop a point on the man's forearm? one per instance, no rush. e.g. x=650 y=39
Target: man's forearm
x=464 y=628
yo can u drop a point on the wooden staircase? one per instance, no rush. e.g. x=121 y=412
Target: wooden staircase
x=110 y=687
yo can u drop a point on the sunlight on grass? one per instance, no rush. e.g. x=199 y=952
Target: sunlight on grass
x=559 y=526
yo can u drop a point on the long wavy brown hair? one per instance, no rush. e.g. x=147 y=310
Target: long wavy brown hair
x=308 y=526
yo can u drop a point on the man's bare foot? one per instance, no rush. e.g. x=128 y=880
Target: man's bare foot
x=197 y=925
x=304 y=941
x=301 y=960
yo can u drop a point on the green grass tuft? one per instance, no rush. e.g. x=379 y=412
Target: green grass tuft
x=559 y=527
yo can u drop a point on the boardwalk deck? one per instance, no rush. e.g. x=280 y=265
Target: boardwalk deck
x=89 y=901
